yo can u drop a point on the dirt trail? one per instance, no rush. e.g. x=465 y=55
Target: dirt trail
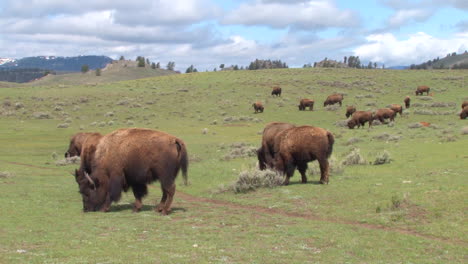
x=280 y=212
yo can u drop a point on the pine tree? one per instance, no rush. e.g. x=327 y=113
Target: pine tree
x=84 y=68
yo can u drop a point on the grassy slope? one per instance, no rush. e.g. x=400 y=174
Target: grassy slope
x=117 y=71
x=41 y=209
x=451 y=60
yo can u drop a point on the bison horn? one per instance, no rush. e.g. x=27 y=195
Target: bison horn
x=90 y=180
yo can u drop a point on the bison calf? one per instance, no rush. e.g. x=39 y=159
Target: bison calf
x=76 y=143
x=422 y=89
x=333 y=99
x=296 y=146
x=350 y=110
x=265 y=153
x=306 y=103
x=130 y=158
x=359 y=118
x=258 y=107
x=407 y=102
x=276 y=91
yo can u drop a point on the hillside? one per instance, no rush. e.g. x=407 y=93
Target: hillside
x=113 y=72
x=448 y=62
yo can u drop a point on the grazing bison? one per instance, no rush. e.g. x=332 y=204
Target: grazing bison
x=258 y=107
x=422 y=89
x=296 y=146
x=407 y=102
x=464 y=112
x=383 y=114
x=276 y=91
x=359 y=118
x=130 y=158
x=397 y=108
x=333 y=99
x=266 y=153
x=76 y=143
x=350 y=110
x=306 y=103
x=465 y=103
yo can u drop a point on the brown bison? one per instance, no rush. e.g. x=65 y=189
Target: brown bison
x=465 y=103
x=383 y=114
x=350 y=110
x=422 y=89
x=407 y=102
x=258 y=107
x=276 y=91
x=130 y=158
x=464 y=112
x=306 y=103
x=397 y=108
x=359 y=118
x=333 y=99
x=76 y=143
x=265 y=153
x=296 y=146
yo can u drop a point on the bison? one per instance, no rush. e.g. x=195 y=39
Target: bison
x=276 y=91
x=306 y=103
x=464 y=112
x=465 y=103
x=407 y=102
x=295 y=147
x=265 y=153
x=360 y=118
x=133 y=158
x=258 y=107
x=350 y=110
x=333 y=99
x=383 y=114
x=76 y=143
x=397 y=108
x=422 y=89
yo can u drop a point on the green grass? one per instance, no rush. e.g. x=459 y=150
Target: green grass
x=411 y=210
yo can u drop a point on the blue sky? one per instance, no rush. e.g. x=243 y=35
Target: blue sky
x=206 y=33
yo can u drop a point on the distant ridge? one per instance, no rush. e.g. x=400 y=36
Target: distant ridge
x=58 y=64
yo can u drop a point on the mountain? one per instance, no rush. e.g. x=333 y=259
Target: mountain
x=398 y=67
x=451 y=61
x=58 y=64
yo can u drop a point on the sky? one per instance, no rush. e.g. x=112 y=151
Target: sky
x=207 y=33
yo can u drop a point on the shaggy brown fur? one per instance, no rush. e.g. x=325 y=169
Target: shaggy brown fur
x=266 y=153
x=130 y=158
x=422 y=89
x=350 y=110
x=360 y=118
x=407 y=102
x=397 y=108
x=464 y=112
x=333 y=99
x=76 y=143
x=295 y=147
x=383 y=114
x=465 y=103
x=258 y=107
x=276 y=91
x=306 y=103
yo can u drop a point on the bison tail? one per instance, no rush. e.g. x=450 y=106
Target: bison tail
x=331 y=141
x=183 y=160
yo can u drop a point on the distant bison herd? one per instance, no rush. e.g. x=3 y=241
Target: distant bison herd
x=135 y=157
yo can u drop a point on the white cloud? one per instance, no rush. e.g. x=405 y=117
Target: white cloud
x=419 y=47
x=307 y=15
x=404 y=16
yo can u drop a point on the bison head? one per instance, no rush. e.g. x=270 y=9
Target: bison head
x=92 y=190
x=351 y=123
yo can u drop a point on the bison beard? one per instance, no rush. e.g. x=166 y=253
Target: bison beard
x=130 y=158
x=297 y=146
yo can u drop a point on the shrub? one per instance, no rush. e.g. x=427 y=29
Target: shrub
x=239 y=150
x=425 y=98
x=64 y=125
x=442 y=104
x=424 y=112
x=354 y=158
x=464 y=130
x=334 y=107
x=382 y=158
x=6 y=174
x=341 y=123
x=42 y=115
x=253 y=179
x=18 y=105
x=335 y=167
x=68 y=161
x=415 y=125
x=353 y=140
x=384 y=136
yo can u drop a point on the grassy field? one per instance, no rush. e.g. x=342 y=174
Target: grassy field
x=411 y=210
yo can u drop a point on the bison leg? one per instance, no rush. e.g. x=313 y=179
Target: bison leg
x=170 y=197
x=323 y=171
x=160 y=206
x=139 y=191
x=302 y=169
